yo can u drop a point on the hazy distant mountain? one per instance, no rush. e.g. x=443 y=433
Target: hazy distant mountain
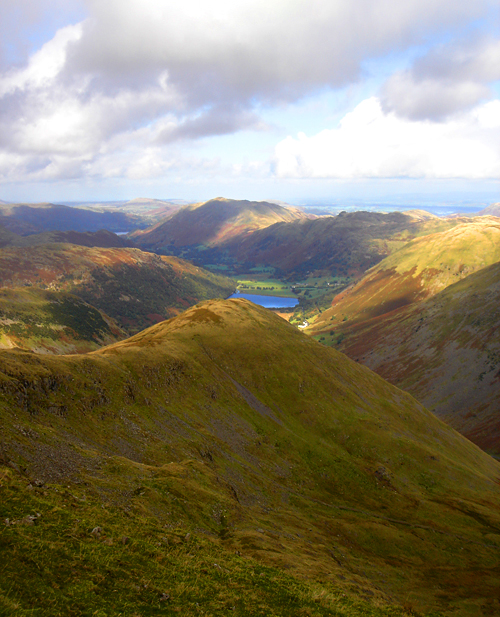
x=493 y=210
x=150 y=211
x=27 y=219
x=214 y=222
x=222 y=458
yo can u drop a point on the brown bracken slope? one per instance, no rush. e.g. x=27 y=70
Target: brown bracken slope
x=133 y=287
x=214 y=222
x=427 y=320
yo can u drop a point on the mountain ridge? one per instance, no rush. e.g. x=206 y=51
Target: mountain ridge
x=214 y=222
x=134 y=287
x=283 y=450
x=349 y=243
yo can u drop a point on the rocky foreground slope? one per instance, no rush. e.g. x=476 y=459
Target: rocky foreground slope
x=224 y=461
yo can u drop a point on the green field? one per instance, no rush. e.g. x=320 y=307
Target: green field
x=265 y=287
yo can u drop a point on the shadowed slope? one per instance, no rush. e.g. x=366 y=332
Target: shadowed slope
x=226 y=420
x=101 y=238
x=35 y=218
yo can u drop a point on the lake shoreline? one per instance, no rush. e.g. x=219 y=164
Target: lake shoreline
x=271 y=302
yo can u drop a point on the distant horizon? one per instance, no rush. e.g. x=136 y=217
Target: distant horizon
x=439 y=205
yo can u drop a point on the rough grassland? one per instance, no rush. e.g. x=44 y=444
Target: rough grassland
x=445 y=351
x=135 y=288
x=249 y=467
x=53 y=322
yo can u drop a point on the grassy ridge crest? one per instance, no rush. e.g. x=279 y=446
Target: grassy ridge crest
x=228 y=424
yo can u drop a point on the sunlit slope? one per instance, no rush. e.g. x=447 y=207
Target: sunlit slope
x=347 y=244
x=445 y=351
x=133 y=287
x=214 y=222
x=227 y=422
x=53 y=322
x=420 y=269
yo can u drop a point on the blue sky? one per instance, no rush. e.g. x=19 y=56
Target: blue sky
x=308 y=102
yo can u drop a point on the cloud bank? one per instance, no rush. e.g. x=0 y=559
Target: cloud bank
x=137 y=79
x=370 y=143
x=445 y=81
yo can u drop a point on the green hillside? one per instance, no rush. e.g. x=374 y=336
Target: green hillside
x=417 y=271
x=445 y=351
x=53 y=322
x=223 y=462
x=135 y=288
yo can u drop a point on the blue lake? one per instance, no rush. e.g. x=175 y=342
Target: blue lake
x=268 y=301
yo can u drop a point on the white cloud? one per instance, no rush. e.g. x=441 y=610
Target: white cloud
x=244 y=49
x=372 y=144
x=137 y=76
x=44 y=66
x=447 y=80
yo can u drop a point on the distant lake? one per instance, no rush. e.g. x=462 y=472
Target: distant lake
x=268 y=301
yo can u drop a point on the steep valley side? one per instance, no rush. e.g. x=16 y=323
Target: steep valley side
x=445 y=351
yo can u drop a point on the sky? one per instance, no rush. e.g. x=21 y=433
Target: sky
x=305 y=101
